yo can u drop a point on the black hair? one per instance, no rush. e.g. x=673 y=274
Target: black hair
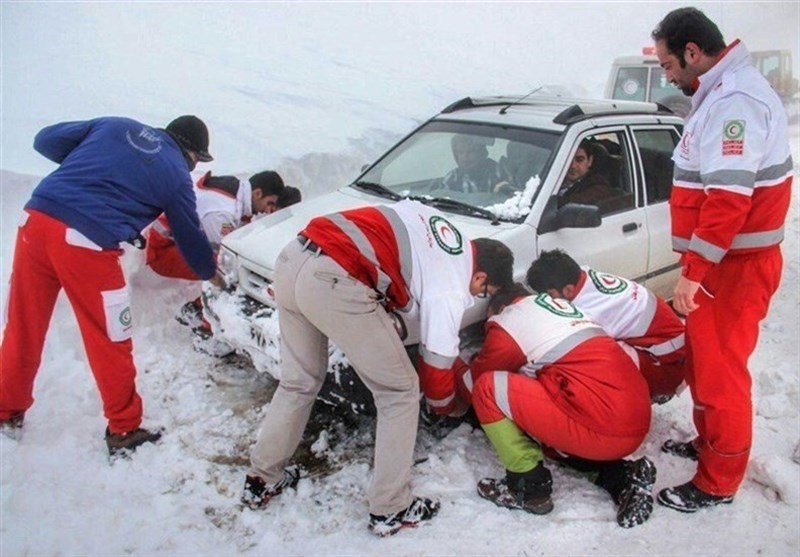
x=496 y=260
x=688 y=25
x=588 y=147
x=268 y=181
x=553 y=269
x=506 y=296
x=289 y=196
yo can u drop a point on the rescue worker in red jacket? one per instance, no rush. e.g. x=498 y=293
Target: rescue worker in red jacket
x=339 y=280
x=651 y=332
x=730 y=195
x=224 y=203
x=115 y=176
x=547 y=374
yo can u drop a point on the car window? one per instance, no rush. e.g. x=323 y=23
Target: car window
x=489 y=167
x=655 y=150
x=601 y=176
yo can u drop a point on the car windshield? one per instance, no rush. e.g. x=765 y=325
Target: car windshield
x=476 y=169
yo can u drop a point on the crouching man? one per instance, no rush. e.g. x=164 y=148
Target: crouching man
x=339 y=280
x=565 y=384
x=648 y=329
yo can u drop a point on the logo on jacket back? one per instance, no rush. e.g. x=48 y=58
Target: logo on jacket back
x=557 y=306
x=733 y=138
x=145 y=140
x=446 y=235
x=607 y=284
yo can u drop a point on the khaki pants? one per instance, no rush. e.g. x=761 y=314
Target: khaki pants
x=317 y=301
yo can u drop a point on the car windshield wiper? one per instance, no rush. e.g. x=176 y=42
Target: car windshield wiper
x=380 y=189
x=457 y=207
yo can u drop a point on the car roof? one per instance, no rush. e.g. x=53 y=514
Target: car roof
x=544 y=112
x=645 y=59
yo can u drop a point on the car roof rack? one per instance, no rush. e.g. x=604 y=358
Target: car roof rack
x=581 y=109
x=578 y=112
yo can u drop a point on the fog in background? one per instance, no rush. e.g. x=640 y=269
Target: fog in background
x=252 y=71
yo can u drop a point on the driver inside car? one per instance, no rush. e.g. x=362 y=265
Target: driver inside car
x=475 y=171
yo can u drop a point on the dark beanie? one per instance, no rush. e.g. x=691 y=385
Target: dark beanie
x=192 y=134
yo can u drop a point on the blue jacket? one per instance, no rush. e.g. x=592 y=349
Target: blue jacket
x=115 y=177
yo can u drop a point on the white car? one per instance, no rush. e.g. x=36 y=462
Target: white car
x=531 y=142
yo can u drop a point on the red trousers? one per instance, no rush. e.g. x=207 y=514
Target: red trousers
x=663 y=378
x=720 y=337
x=535 y=411
x=165 y=259
x=48 y=257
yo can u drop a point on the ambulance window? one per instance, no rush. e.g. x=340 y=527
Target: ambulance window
x=631 y=84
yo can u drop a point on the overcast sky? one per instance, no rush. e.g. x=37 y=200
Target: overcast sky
x=246 y=67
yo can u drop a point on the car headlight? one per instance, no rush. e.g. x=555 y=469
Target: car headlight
x=228 y=265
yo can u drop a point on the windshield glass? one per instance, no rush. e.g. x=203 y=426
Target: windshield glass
x=490 y=168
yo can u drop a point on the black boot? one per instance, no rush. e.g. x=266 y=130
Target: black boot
x=528 y=491
x=630 y=484
x=688 y=498
x=123 y=444
x=683 y=449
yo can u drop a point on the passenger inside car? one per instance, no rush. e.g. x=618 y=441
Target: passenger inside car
x=593 y=178
x=522 y=162
x=475 y=171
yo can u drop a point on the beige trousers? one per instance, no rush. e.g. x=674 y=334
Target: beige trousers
x=317 y=301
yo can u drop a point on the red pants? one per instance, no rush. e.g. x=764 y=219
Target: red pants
x=48 y=257
x=165 y=259
x=534 y=411
x=720 y=337
x=663 y=378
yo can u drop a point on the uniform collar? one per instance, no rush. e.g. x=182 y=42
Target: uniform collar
x=734 y=55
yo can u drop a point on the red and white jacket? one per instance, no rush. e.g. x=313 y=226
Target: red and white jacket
x=224 y=203
x=733 y=168
x=584 y=370
x=420 y=265
x=631 y=313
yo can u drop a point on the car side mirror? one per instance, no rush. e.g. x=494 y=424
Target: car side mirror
x=571 y=215
x=364 y=167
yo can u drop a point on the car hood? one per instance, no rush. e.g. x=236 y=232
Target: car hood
x=261 y=241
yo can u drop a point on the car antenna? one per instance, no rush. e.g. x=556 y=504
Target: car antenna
x=509 y=105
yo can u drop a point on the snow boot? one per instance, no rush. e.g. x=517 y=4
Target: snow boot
x=12 y=427
x=683 y=449
x=191 y=314
x=527 y=491
x=421 y=508
x=211 y=346
x=636 y=498
x=123 y=444
x=257 y=494
x=688 y=498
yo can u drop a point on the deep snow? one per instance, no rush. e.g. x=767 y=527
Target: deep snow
x=58 y=493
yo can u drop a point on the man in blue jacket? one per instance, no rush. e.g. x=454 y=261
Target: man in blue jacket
x=115 y=176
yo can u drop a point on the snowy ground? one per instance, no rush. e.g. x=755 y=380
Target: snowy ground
x=316 y=93
x=60 y=496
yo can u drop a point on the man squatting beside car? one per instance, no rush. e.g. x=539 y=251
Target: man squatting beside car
x=649 y=330
x=224 y=203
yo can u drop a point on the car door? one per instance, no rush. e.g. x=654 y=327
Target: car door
x=653 y=147
x=620 y=244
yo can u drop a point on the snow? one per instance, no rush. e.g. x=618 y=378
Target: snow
x=316 y=90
